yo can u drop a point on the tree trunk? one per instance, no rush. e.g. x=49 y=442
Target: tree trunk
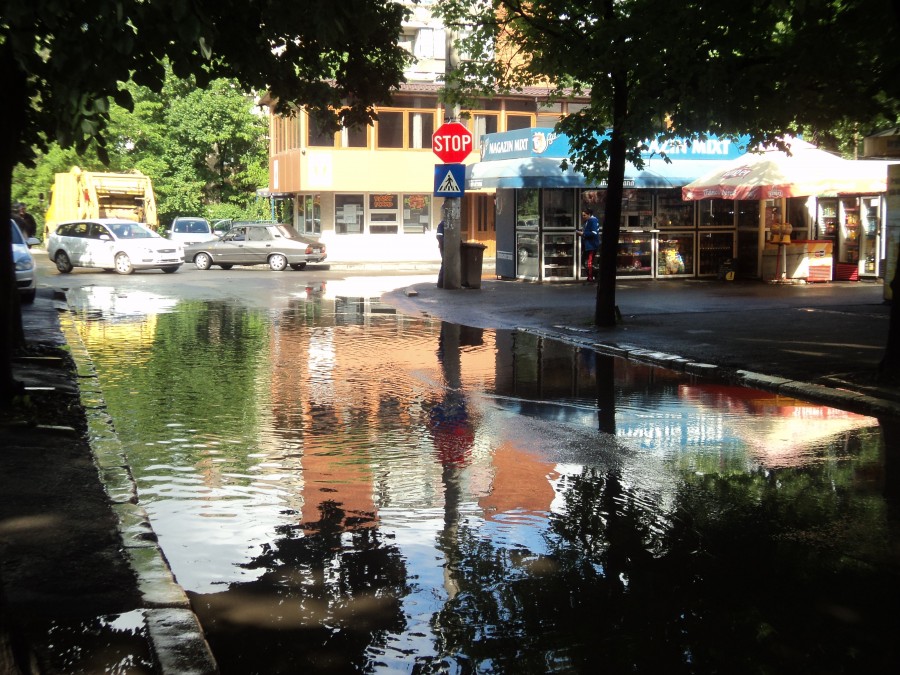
x=889 y=368
x=12 y=83
x=605 y=309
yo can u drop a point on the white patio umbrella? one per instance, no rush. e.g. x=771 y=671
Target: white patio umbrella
x=775 y=174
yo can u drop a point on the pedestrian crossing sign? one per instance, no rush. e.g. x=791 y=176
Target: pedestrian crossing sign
x=449 y=180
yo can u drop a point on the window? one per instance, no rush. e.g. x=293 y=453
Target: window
x=416 y=214
x=514 y=121
x=527 y=208
x=421 y=128
x=558 y=208
x=309 y=214
x=258 y=234
x=348 y=214
x=383 y=213
x=355 y=137
x=317 y=136
x=410 y=129
x=481 y=123
x=390 y=129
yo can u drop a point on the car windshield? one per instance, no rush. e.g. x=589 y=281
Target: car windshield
x=130 y=231
x=17 y=237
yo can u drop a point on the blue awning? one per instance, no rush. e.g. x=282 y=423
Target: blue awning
x=543 y=172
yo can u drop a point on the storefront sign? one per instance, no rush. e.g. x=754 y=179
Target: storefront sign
x=383 y=202
x=545 y=142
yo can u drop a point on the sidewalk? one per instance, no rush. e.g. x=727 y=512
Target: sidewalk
x=83 y=584
x=63 y=565
x=822 y=342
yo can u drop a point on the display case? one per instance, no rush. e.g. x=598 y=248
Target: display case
x=870 y=237
x=675 y=254
x=827 y=220
x=637 y=209
x=848 y=250
x=672 y=212
x=559 y=255
x=713 y=249
x=634 y=254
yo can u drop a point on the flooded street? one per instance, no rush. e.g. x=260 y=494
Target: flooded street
x=340 y=488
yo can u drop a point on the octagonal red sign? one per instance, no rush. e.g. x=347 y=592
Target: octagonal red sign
x=452 y=142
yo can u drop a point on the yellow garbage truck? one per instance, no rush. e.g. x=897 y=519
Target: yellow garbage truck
x=89 y=194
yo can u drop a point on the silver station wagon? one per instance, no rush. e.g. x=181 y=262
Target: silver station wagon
x=120 y=245
x=257 y=243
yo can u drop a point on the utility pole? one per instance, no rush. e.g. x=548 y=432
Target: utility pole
x=452 y=211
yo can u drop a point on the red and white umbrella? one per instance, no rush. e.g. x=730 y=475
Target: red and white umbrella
x=775 y=174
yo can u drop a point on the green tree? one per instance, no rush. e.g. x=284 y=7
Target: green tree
x=661 y=70
x=62 y=62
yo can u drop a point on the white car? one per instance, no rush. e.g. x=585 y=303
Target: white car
x=190 y=230
x=25 y=277
x=120 y=245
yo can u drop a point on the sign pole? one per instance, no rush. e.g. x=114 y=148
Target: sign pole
x=452 y=209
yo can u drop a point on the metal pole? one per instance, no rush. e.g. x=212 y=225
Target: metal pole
x=452 y=209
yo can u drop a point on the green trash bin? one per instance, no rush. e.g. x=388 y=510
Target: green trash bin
x=471 y=258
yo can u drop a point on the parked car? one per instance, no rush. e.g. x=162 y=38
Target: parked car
x=112 y=244
x=190 y=230
x=257 y=243
x=26 y=279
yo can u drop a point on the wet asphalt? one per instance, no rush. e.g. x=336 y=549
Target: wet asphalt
x=822 y=342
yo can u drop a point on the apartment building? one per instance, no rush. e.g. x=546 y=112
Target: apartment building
x=367 y=192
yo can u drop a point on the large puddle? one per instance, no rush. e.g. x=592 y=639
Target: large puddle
x=342 y=489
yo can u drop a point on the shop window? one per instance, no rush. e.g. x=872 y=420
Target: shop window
x=309 y=214
x=672 y=211
x=390 y=129
x=558 y=209
x=383 y=217
x=527 y=214
x=349 y=212
x=716 y=213
x=416 y=214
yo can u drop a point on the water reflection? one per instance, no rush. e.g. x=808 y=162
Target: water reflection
x=340 y=488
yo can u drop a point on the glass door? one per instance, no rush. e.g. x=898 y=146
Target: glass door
x=869 y=239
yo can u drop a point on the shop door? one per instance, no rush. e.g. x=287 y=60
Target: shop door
x=478 y=222
x=869 y=237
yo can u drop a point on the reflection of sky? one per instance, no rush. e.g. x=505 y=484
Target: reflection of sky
x=341 y=413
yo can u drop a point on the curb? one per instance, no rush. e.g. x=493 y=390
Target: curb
x=176 y=638
x=852 y=401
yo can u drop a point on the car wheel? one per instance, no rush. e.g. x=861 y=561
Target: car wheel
x=28 y=296
x=170 y=270
x=277 y=262
x=123 y=264
x=63 y=264
x=202 y=261
x=298 y=266
x=226 y=266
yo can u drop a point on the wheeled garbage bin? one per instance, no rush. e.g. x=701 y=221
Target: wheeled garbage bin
x=471 y=257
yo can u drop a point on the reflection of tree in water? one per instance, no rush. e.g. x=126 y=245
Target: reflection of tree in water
x=330 y=593
x=771 y=572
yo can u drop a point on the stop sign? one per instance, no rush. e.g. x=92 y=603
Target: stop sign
x=452 y=142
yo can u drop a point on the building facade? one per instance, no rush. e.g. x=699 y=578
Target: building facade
x=367 y=192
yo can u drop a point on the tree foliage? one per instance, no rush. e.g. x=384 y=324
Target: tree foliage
x=63 y=63
x=659 y=70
